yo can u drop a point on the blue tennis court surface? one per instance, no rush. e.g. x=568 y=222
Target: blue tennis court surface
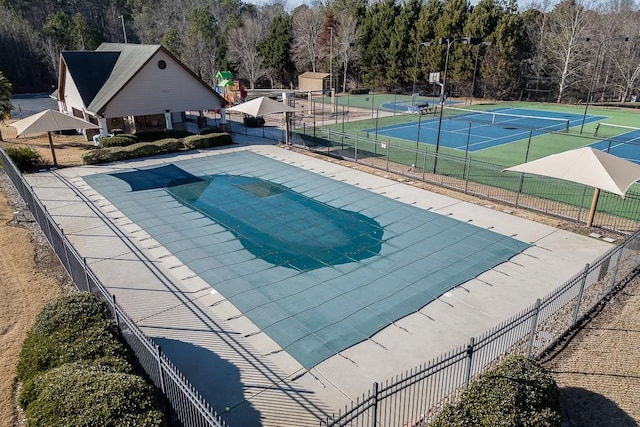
x=625 y=145
x=473 y=132
x=317 y=264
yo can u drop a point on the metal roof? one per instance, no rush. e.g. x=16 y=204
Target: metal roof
x=130 y=59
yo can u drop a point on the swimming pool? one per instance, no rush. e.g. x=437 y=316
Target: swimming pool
x=317 y=264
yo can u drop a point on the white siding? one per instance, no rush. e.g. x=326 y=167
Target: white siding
x=154 y=91
x=72 y=98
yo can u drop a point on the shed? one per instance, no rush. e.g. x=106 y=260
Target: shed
x=311 y=81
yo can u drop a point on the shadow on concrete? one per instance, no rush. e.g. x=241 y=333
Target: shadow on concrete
x=584 y=408
x=217 y=380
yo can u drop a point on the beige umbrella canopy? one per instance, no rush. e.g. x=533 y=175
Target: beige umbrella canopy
x=586 y=166
x=51 y=121
x=262 y=106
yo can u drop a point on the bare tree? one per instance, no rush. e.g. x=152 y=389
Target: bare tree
x=567 y=23
x=308 y=28
x=242 y=44
x=347 y=50
x=622 y=50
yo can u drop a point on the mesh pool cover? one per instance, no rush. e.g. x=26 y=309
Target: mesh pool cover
x=316 y=264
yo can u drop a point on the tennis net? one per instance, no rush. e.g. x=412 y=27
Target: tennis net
x=507 y=120
x=617 y=132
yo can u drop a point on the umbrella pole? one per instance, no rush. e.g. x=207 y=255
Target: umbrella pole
x=594 y=203
x=53 y=152
x=286 y=128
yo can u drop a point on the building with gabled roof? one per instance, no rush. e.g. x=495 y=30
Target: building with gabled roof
x=131 y=86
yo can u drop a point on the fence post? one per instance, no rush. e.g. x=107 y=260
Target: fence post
x=388 y=144
x=115 y=315
x=467 y=172
x=163 y=389
x=467 y=376
x=424 y=164
x=532 y=331
x=356 y=148
x=86 y=273
x=582 y=283
x=615 y=267
x=374 y=418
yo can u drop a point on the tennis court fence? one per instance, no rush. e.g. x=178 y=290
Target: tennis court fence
x=181 y=402
x=562 y=199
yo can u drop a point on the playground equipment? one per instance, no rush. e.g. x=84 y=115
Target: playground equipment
x=232 y=90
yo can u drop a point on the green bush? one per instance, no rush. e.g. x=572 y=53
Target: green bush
x=517 y=392
x=168 y=145
x=139 y=149
x=210 y=130
x=70 y=328
x=155 y=135
x=98 y=155
x=207 y=141
x=121 y=140
x=85 y=395
x=25 y=158
x=360 y=91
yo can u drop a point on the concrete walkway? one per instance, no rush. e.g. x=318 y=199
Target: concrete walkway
x=219 y=350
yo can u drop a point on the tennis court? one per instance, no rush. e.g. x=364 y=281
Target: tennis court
x=621 y=141
x=317 y=264
x=475 y=130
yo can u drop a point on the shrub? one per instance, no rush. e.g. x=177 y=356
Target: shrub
x=168 y=145
x=84 y=395
x=210 y=130
x=154 y=135
x=99 y=155
x=518 y=392
x=359 y=91
x=25 y=158
x=73 y=327
x=121 y=140
x=139 y=149
x=207 y=141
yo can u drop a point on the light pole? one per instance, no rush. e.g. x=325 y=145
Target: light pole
x=595 y=70
x=124 y=31
x=330 y=58
x=475 y=67
x=450 y=41
x=415 y=70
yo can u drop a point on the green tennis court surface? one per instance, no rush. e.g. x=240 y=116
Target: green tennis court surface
x=317 y=264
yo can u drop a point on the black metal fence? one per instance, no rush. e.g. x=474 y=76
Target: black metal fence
x=551 y=196
x=182 y=404
x=416 y=396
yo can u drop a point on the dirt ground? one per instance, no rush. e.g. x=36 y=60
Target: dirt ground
x=30 y=275
x=598 y=368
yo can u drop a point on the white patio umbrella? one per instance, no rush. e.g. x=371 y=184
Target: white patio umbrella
x=586 y=166
x=263 y=106
x=51 y=121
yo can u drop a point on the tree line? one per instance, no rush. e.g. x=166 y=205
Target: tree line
x=555 y=52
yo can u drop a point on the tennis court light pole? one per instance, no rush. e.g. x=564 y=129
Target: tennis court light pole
x=415 y=71
x=595 y=69
x=450 y=41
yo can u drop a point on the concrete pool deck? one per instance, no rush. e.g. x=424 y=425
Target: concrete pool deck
x=223 y=354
